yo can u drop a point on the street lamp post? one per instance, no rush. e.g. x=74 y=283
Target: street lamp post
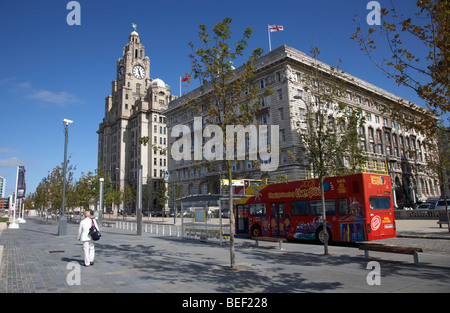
x=62 y=226
x=124 y=188
x=100 y=209
x=139 y=203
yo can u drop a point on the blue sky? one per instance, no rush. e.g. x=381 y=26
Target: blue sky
x=50 y=70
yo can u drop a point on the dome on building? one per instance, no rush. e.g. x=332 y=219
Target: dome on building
x=134 y=33
x=158 y=83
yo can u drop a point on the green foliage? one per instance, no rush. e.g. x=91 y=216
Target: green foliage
x=229 y=96
x=418 y=58
x=80 y=193
x=330 y=128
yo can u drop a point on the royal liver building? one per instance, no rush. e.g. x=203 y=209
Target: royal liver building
x=134 y=110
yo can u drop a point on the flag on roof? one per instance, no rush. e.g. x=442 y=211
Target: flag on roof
x=275 y=28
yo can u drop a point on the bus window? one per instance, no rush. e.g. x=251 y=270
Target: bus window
x=379 y=203
x=316 y=207
x=342 y=206
x=299 y=208
x=257 y=208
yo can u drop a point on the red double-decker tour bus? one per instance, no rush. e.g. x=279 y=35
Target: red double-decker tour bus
x=359 y=207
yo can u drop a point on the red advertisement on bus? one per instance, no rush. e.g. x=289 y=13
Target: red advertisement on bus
x=358 y=208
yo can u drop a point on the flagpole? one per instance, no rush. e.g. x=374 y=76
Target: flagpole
x=268 y=31
x=180 y=86
x=13 y=224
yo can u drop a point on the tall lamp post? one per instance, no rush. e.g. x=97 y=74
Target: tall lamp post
x=124 y=188
x=100 y=204
x=62 y=226
x=139 y=203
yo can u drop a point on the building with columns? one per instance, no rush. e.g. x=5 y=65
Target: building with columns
x=133 y=110
x=386 y=140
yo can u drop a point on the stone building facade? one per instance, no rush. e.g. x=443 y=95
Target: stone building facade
x=132 y=111
x=385 y=141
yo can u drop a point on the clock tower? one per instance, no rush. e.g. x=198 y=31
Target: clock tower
x=132 y=111
x=134 y=61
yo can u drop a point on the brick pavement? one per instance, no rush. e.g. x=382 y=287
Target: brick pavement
x=35 y=259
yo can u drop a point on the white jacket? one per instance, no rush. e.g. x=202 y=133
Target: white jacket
x=83 y=230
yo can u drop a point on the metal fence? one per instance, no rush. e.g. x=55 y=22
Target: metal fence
x=193 y=231
x=157 y=229
x=418 y=214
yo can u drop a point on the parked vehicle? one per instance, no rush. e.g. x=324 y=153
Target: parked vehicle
x=426 y=206
x=440 y=205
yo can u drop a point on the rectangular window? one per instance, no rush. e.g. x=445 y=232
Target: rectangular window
x=379 y=203
x=299 y=208
x=316 y=207
x=257 y=208
x=281 y=114
x=261 y=84
x=342 y=207
x=278 y=76
x=283 y=135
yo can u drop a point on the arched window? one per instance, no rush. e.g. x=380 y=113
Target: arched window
x=204 y=188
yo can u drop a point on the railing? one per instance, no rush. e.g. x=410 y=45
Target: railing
x=191 y=230
x=417 y=214
x=157 y=229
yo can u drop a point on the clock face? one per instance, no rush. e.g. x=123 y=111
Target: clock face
x=121 y=72
x=139 y=72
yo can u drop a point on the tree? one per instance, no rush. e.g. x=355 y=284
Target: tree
x=147 y=194
x=41 y=195
x=175 y=191
x=110 y=193
x=228 y=96
x=441 y=163
x=54 y=183
x=160 y=194
x=418 y=57
x=86 y=194
x=329 y=130
x=130 y=197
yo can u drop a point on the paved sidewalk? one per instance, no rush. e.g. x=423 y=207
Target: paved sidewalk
x=421 y=229
x=36 y=259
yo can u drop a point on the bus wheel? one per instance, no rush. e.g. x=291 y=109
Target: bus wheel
x=256 y=231
x=321 y=236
